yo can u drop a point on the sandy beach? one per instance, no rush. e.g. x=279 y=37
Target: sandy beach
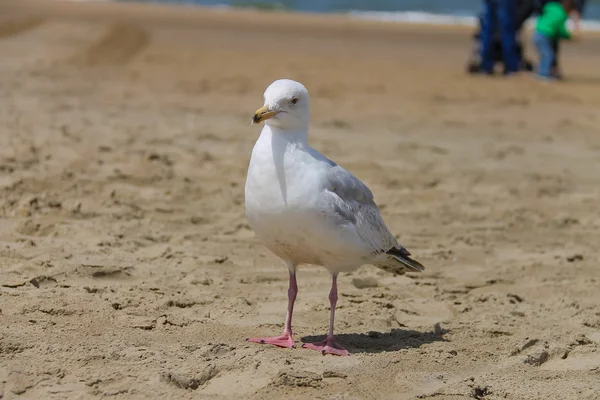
x=128 y=269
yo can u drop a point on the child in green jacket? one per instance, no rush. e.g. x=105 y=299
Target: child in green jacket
x=551 y=25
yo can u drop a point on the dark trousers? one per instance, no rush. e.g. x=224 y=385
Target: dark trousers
x=502 y=14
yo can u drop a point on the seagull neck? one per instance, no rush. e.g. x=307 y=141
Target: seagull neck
x=299 y=137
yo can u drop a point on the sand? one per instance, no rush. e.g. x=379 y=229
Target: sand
x=127 y=267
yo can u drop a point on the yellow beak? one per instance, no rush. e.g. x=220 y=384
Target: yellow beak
x=263 y=114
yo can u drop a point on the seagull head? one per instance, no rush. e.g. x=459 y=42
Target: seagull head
x=286 y=106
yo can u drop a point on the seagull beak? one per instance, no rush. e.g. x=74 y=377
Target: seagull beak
x=263 y=113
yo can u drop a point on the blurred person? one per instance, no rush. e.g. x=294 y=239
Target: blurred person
x=525 y=9
x=551 y=27
x=500 y=14
x=575 y=15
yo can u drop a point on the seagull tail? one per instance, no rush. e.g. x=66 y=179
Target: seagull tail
x=398 y=261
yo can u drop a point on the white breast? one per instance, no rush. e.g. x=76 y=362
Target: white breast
x=280 y=201
x=282 y=205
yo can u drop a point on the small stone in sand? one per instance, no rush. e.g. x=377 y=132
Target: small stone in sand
x=364 y=283
x=536 y=359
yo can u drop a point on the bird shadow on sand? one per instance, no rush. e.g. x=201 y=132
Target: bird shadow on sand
x=379 y=342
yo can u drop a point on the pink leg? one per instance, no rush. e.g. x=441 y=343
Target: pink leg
x=330 y=345
x=285 y=340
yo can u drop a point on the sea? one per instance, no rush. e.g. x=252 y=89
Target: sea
x=446 y=12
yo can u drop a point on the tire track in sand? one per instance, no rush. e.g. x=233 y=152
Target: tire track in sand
x=118 y=46
x=12 y=28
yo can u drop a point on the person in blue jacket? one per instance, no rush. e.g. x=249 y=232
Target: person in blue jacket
x=525 y=9
x=501 y=14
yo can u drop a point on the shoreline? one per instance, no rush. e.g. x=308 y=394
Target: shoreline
x=104 y=8
x=408 y=18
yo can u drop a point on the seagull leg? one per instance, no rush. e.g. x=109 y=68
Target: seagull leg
x=330 y=345
x=286 y=339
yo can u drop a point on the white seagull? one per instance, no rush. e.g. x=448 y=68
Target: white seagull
x=308 y=210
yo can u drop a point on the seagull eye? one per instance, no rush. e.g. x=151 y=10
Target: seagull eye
x=294 y=100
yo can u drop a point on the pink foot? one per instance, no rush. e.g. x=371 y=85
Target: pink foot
x=329 y=346
x=284 y=340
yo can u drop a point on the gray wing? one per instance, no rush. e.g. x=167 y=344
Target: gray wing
x=355 y=208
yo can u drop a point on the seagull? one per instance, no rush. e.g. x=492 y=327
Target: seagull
x=306 y=209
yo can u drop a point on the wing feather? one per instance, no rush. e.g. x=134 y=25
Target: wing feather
x=355 y=206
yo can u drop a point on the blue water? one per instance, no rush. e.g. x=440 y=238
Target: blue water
x=436 y=11
x=454 y=7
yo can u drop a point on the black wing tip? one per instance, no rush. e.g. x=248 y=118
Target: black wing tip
x=402 y=256
x=415 y=264
x=398 y=251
